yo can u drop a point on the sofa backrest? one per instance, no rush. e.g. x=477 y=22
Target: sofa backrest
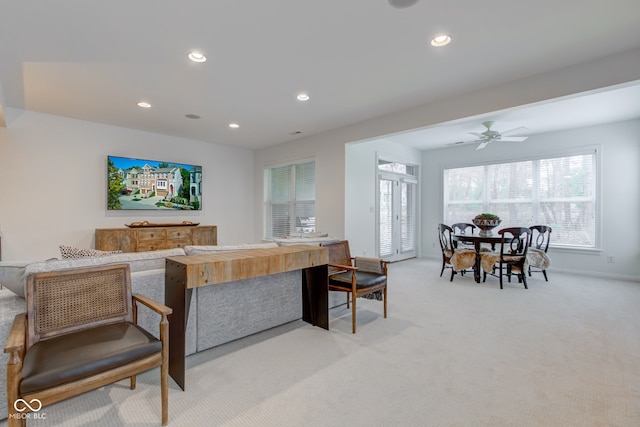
x=14 y=275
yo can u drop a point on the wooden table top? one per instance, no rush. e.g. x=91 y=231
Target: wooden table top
x=491 y=238
x=222 y=267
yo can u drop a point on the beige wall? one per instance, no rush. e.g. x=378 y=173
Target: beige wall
x=53 y=183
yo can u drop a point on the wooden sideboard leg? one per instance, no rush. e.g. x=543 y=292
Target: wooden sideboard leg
x=178 y=297
x=315 y=296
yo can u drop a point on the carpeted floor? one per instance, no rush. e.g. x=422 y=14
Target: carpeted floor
x=562 y=353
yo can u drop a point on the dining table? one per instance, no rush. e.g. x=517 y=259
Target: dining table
x=477 y=240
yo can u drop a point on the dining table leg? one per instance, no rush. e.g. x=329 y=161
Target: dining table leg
x=476 y=268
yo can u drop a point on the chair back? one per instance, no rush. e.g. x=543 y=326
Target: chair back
x=462 y=227
x=540 y=237
x=70 y=300
x=338 y=254
x=515 y=241
x=444 y=234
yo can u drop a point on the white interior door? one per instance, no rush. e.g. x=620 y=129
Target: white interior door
x=397 y=210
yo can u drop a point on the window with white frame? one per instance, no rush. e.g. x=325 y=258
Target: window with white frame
x=290 y=199
x=560 y=192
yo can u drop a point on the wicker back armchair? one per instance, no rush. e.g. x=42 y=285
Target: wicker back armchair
x=78 y=334
x=356 y=277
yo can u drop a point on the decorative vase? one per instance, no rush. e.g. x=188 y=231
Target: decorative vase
x=485 y=225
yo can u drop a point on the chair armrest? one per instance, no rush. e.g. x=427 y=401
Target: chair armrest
x=153 y=305
x=343 y=267
x=16 y=340
x=367 y=263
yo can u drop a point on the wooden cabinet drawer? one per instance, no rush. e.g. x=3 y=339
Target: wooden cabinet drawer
x=154 y=238
x=152 y=246
x=179 y=234
x=177 y=243
x=151 y=235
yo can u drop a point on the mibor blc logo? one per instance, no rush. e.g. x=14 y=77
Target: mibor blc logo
x=22 y=406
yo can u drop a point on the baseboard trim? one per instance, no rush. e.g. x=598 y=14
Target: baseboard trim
x=613 y=276
x=587 y=273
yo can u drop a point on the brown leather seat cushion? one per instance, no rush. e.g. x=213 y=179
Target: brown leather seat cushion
x=84 y=353
x=363 y=279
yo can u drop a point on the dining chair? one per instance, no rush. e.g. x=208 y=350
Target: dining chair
x=512 y=258
x=539 y=260
x=460 y=228
x=457 y=259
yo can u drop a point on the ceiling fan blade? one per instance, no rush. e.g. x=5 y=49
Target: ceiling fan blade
x=469 y=141
x=479 y=135
x=513 y=138
x=515 y=130
x=482 y=145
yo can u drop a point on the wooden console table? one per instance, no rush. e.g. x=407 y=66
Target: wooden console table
x=184 y=273
x=154 y=238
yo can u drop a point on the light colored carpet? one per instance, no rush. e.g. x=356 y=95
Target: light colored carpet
x=563 y=353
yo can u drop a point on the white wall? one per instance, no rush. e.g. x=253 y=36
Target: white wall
x=620 y=185
x=329 y=165
x=329 y=147
x=361 y=187
x=53 y=183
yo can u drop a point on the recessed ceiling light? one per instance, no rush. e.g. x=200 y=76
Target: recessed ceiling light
x=302 y=97
x=234 y=125
x=441 y=40
x=197 y=57
x=143 y=104
x=192 y=116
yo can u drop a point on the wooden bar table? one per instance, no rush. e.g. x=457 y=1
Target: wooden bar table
x=184 y=273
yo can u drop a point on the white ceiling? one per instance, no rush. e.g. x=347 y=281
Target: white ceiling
x=604 y=106
x=357 y=59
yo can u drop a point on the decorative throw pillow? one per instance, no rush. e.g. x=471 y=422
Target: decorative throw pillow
x=73 y=252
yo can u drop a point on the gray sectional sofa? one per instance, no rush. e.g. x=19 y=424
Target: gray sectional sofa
x=226 y=312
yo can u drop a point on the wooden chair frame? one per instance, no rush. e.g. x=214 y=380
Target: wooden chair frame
x=26 y=332
x=341 y=261
x=450 y=252
x=539 y=239
x=463 y=228
x=513 y=255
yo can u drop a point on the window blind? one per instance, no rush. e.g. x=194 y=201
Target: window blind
x=289 y=199
x=556 y=191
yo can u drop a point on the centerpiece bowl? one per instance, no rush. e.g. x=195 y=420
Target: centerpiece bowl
x=486 y=223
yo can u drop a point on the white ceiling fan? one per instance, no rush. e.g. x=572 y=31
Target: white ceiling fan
x=489 y=135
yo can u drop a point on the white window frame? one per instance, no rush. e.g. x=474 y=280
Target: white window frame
x=595 y=150
x=267 y=225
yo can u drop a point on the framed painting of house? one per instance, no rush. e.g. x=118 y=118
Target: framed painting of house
x=140 y=184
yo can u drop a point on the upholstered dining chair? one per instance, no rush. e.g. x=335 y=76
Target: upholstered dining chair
x=512 y=258
x=357 y=277
x=539 y=260
x=80 y=333
x=457 y=259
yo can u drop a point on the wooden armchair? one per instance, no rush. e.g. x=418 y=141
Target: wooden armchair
x=356 y=277
x=80 y=333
